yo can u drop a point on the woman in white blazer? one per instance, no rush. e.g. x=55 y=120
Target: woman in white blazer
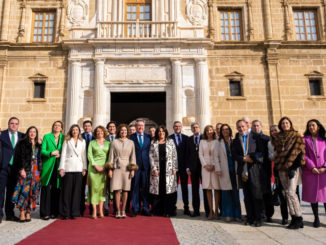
x=225 y=168
x=72 y=168
x=210 y=180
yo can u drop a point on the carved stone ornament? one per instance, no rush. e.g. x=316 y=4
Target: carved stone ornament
x=196 y=11
x=77 y=12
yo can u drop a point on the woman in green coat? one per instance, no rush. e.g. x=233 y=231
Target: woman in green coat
x=97 y=156
x=50 y=192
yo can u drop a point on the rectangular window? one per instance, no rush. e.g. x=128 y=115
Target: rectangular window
x=43 y=28
x=315 y=86
x=230 y=22
x=235 y=88
x=138 y=10
x=305 y=25
x=39 y=89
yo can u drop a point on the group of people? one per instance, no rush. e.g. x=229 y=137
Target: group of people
x=141 y=171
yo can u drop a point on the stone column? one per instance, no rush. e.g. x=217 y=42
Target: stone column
x=99 y=10
x=202 y=93
x=99 y=102
x=5 y=20
x=21 y=29
x=74 y=84
x=177 y=90
x=267 y=20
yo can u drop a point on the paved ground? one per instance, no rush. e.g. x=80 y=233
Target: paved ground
x=202 y=231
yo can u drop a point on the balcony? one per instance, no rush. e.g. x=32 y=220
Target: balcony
x=137 y=29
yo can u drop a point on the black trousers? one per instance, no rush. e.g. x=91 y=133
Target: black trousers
x=182 y=174
x=50 y=197
x=163 y=204
x=70 y=194
x=196 y=177
x=254 y=207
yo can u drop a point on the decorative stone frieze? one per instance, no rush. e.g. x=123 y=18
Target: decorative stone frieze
x=77 y=12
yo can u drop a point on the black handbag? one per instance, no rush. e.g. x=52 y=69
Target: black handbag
x=275 y=199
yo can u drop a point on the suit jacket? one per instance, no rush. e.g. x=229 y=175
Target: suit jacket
x=193 y=162
x=50 y=163
x=182 y=150
x=90 y=139
x=237 y=150
x=142 y=154
x=171 y=164
x=73 y=159
x=6 y=148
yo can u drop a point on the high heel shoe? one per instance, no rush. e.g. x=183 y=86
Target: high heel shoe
x=123 y=214
x=28 y=217
x=94 y=217
x=117 y=216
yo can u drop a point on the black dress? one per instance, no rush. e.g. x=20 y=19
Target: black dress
x=163 y=204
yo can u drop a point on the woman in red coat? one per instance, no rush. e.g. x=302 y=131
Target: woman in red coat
x=314 y=172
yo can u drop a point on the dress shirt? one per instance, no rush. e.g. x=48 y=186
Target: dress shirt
x=142 y=137
x=16 y=136
x=177 y=138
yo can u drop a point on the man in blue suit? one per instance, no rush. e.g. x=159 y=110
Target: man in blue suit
x=8 y=175
x=88 y=137
x=142 y=143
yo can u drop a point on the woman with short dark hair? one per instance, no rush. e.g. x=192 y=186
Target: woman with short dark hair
x=314 y=172
x=27 y=161
x=72 y=168
x=290 y=156
x=163 y=178
x=122 y=166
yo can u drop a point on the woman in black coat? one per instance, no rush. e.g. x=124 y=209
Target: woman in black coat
x=27 y=163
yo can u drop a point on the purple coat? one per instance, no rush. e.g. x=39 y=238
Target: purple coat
x=314 y=186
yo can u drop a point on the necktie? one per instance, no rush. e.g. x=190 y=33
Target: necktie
x=244 y=137
x=13 y=146
x=112 y=137
x=197 y=140
x=87 y=138
x=140 y=141
x=179 y=139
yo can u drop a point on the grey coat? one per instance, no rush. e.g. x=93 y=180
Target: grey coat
x=171 y=164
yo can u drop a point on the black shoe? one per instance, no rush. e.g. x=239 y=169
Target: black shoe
x=186 y=212
x=53 y=216
x=248 y=222
x=195 y=214
x=12 y=218
x=106 y=212
x=145 y=213
x=284 y=222
x=258 y=223
x=316 y=223
x=134 y=214
x=73 y=217
x=297 y=223
x=293 y=221
x=45 y=217
x=269 y=220
x=65 y=218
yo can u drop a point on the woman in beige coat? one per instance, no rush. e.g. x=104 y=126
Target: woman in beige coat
x=225 y=168
x=122 y=166
x=210 y=180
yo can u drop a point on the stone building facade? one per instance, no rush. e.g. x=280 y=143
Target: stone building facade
x=190 y=60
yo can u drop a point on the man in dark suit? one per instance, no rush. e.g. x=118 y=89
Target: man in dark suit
x=262 y=142
x=245 y=151
x=140 y=190
x=88 y=137
x=182 y=144
x=194 y=171
x=8 y=179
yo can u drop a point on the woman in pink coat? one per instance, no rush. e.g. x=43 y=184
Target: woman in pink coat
x=314 y=172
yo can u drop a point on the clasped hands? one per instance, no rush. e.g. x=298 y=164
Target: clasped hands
x=131 y=175
x=318 y=170
x=55 y=153
x=156 y=173
x=62 y=172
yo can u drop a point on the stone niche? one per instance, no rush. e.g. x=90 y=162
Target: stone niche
x=137 y=72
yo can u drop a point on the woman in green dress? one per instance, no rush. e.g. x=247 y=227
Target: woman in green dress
x=50 y=179
x=97 y=156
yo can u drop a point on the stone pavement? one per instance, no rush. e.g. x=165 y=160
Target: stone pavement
x=201 y=231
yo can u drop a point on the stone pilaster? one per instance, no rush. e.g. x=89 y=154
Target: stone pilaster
x=267 y=20
x=211 y=19
x=21 y=29
x=74 y=84
x=202 y=93
x=99 y=93
x=177 y=89
x=5 y=20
